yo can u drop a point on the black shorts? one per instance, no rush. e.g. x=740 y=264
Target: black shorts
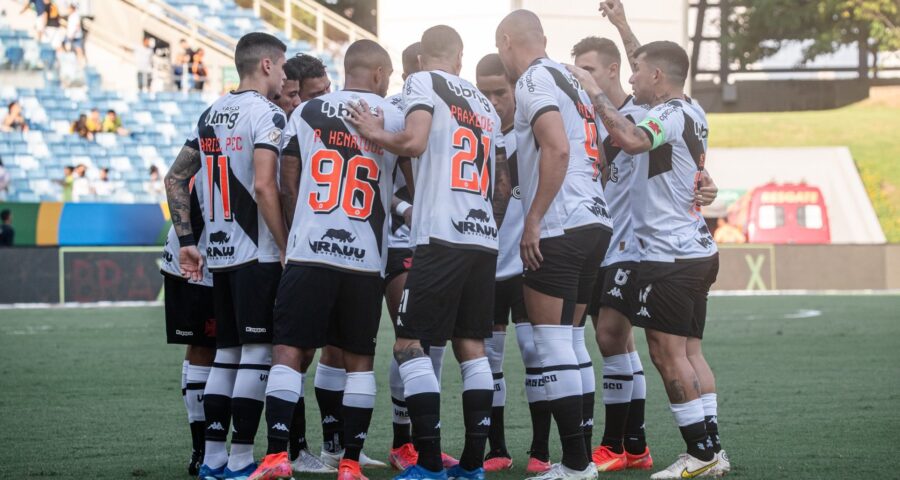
x=570 y=264
x=318 y=306
x=399 y=260
x=615 y=288
x=244 y=299
x=190 y=319
x=449 y=294
x=672 y=296
x=508 y=300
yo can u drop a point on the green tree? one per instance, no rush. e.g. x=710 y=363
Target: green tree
x=757 y=28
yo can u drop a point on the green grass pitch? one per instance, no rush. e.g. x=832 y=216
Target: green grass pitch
x=809 y=388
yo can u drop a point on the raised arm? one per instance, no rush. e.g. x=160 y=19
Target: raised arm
x=615 y=12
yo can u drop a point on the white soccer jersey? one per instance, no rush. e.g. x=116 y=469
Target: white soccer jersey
x=399 y=230
x=667 y=224
x=547 y=86
x=227 y=134
x=622 y=184
x=346 y=185
x=171 y=263
x=509 y=262
x=454 y=176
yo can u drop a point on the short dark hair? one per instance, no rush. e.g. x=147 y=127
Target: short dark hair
x=252 y=48
x=367 y=54
x=441 y=41
x=603 y=46
x=411 y=58
x=669 y=57
x=490 y=65
x=4 y=215
x=307 y=66
x=291 y=71
x=111 y=111
x=10 y=105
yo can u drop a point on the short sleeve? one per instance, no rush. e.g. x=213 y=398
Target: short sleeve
x=418 y=93
x=536 y=94
x=191 y=140
x=662 y=124
x=268 y=129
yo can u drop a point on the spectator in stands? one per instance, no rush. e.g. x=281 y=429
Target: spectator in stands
x=180 y=72
x=81 y=186
x=14 y=121
x=75 y=33
x=143 y=59
x=55 y=34
x=155 y=186
x=40 y=9
x=103 y=187
x=67 y=182
x=94 y=122
x=4 y=182
x=185 y=50
x=198 y=70
x=7 y=234
x=80 y=127
x=113 y=124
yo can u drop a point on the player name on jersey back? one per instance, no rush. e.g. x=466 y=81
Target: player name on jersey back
x=227 y=135
x=509 y=262
x=545 y=87
x=454 y=176
x=346 y=185
x=622 y=184
x=668 y=226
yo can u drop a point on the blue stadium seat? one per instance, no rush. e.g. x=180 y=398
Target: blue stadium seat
x=15 y=55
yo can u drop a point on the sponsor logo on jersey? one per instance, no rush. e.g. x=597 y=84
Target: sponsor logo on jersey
x=219 y=238
x=167 y=256
x=216 y=248
x=477 y=222
x=462 y=91
x=336 y=242
x=598 y=208
x=227 y=116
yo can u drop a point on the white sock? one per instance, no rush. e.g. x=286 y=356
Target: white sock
x=494 y=348
x=534 y=383
x=221 y=384
x=398 y=400
x=618 y=383
x=437 y=360
x=196 y=383
x=560 y=366
x=640 y=382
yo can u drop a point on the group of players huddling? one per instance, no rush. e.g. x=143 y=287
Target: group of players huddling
x=463 y=205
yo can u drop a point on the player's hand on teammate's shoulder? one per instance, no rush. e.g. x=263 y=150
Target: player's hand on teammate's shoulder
x=585 y=79
x=529 y=246
x=614 y=11
x=191 y=263
x=363 y=120
x=707 y=191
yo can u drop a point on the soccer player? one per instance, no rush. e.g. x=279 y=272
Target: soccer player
x=494 y=83
x=679 y=259
x=330 y=292
x=314 y=81
x=567 y=227
x=235 y=149
x=403 y=452
x=289 y=96
x=190 y=321
x=460 y=197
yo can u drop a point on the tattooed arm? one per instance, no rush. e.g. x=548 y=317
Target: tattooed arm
x=178 y=193
x=502 y=187
x=615 y=12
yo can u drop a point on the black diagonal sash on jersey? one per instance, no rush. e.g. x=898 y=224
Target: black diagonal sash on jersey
x=451 y=99
x=197 y=222
x=313 y=116
x=691 y=138
x=513 y=164
x=570 y=92
x=243 y=206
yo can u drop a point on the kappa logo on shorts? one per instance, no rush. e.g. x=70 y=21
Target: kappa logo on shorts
x=643 y=312
x=615 y=292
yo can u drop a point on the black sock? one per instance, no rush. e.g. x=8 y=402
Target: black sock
x=712 y=429
x=217 y=409
x=401 y=430
x=279 y=414
x=540 y=430
x=356 y=427
x=298 y=429
x=330 y=404
x=697 y=440
x=425 y=417
x=567 y=413
x=587 y=420
x=198 y=439
x=496 y=435
x=477 y=418
x=245 y=414
x=635 y=440
x=614 y=426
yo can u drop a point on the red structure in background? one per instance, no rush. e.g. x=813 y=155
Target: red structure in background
x=787 y=213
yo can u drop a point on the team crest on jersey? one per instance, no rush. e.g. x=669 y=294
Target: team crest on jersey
x=598 y=208
x=337 y=242
x=275 y=136
x=477 y=222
